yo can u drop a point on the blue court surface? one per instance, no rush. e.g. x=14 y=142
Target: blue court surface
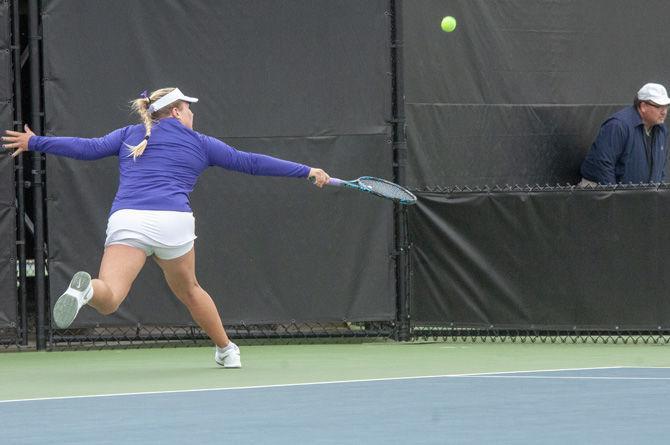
x=621 y=405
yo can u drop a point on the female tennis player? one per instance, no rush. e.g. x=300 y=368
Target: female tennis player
x=159 y=163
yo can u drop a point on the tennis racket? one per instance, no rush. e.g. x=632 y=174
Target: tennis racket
x=376 y=186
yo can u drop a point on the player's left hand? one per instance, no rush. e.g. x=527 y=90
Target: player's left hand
x=17 y=140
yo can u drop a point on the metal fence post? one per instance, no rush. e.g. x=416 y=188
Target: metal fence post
x=399 y=143
x=19 y=182
x=37 y=185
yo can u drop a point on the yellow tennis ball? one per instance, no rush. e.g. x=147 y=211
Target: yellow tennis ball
x=448 y=24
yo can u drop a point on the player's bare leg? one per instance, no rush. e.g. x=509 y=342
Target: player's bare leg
x=118 y=269
x=180 y=276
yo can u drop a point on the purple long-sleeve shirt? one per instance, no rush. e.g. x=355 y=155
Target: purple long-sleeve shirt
x=163 y=177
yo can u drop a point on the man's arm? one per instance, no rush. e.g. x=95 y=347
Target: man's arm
x=600 y=162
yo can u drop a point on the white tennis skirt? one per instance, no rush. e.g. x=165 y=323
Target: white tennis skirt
x=165 y=233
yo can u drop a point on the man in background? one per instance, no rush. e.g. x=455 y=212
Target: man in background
x=631 y=145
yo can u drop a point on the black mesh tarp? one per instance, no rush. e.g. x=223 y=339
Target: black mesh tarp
x=517 y=92
x=8 y=304
x=552 y=259
x=302 y=80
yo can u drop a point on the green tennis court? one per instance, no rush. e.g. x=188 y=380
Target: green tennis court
x=388 y=392
x=28 y=375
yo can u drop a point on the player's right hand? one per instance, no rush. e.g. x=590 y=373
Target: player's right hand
x=318 y=177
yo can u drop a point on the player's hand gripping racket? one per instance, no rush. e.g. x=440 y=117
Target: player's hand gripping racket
x=376 y=186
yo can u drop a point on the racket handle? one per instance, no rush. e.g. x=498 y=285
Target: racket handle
x=332 y=181
x=335 y=182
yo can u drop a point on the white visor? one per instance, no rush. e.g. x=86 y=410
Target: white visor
x=169 y=98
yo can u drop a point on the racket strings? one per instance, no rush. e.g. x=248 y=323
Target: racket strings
x=388 y=189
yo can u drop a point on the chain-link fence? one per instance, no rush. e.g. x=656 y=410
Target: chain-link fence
x=163 y=336
x=498 y=335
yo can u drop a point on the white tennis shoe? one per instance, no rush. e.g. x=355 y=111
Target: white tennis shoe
x=229 y=357
x=75 y=297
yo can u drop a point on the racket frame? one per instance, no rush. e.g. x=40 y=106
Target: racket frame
x=356 y=184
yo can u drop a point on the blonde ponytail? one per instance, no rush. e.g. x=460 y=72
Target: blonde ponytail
x=141 y=107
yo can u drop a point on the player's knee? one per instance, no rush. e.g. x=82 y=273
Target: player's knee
x=108 y=306
x=190 y=295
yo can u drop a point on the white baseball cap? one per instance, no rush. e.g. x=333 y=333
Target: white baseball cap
x=655 y=93
x=176 y=95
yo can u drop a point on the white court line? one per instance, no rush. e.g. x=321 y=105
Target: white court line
x=645 y=367
x=557 y=377
x=333 y=382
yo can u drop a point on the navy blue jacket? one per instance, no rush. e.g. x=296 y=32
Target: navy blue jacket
x=618 y=154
